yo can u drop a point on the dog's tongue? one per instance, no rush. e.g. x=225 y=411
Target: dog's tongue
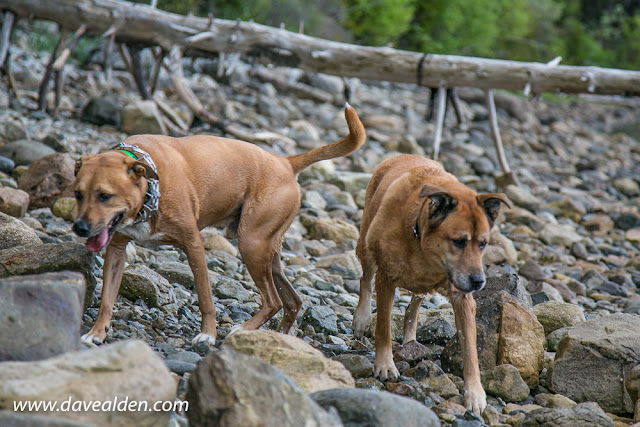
x=95 y=243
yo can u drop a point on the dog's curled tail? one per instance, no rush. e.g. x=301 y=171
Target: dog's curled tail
x=346 y=145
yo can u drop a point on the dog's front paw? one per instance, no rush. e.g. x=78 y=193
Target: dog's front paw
x=360 y=324
x=91 y=339
x=201 y=337
x=475 y=399
x=385 y=369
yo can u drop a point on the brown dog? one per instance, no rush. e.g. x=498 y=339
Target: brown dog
x=423 y=230
x=203 y=181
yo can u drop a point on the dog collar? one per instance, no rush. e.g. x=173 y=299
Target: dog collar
x=152 y=197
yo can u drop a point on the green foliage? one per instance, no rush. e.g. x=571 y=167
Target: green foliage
x=378 y=22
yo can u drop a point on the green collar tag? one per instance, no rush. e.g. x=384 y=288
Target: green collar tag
x=129 y=153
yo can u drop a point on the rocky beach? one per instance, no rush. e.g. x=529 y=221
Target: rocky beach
x=558 y=321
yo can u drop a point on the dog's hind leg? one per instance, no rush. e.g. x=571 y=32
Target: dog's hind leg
x=258 y=254
x=362 y=314
x=111 y=278
x=291 y=301
x=411 y=318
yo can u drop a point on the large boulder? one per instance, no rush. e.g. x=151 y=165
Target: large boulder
x=48 y=179
x=51 y=257
x=593 y=359
x=582 y=415
x=16 y=233
x=358 y=407
x=305 y=365
x=45 y=311
x=229 y=389
x=507 y=331
x=113 y=377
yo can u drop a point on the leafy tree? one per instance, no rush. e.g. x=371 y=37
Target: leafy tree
x=377 y=22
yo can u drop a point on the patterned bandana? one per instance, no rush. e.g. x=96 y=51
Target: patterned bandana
x=153 y=193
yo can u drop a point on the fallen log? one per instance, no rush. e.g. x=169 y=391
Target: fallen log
x=144 y=24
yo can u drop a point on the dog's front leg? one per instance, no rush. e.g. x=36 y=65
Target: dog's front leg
x=464 y=308
x=198 y=263
x=383 y=366
x=112 y=276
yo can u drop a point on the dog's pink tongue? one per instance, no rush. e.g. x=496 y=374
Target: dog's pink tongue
x=95 y=243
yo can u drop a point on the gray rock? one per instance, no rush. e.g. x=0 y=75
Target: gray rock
x=370 y=408
x=102 y=110
x=358 y=365
x=141 y=117
x=141 y=282
x=439 y=332
x=232 y=389
x=128 y=370
x=504 y=381
x=19 y=419
x=25 y=151
x=12 y=131
x=594 y=357
x=179 y=367
x=582 y=415
x=555 y=315
x=186 y=356
x=554 y=338
x=176 y=272
x=51 y=257
x=6 y=165
x=627 y=186
x=44 y=311
x=351 y=182
x=323 y=319
x=522 y=197
x=16 y=233
x=559 y=234
x=225 y=287
x=431 y=376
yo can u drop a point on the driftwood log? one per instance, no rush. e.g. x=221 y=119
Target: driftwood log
x=144 y=24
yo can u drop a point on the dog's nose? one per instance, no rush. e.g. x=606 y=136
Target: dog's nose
x=477 y=281
x=81 y=228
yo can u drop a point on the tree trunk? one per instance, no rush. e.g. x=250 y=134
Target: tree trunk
x=144 y=24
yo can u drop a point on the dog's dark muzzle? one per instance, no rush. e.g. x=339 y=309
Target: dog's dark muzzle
x=81 y=228
x=477 y=281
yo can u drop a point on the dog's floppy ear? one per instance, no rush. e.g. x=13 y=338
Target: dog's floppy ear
x=78 y=165
x=491 y=204
x=441 y=204
x=143 y=170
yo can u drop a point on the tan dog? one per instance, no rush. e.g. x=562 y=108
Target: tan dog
x=203 y=181
x=423 y=230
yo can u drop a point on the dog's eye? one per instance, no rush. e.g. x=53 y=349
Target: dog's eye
x=78 y=195
x=483 y=245
x=460 y=243
x=103 y=197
